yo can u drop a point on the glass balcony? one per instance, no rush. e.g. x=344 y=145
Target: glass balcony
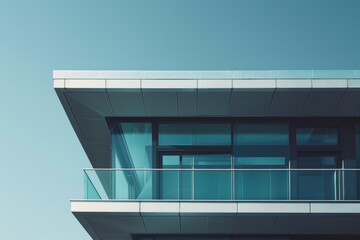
x=222 y=184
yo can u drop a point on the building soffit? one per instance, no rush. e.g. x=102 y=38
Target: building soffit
x=88 y=97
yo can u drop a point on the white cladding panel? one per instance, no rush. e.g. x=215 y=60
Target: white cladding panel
x=291 y=218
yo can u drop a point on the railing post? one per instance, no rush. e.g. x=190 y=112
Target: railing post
x=289 y=184
x=232 y=184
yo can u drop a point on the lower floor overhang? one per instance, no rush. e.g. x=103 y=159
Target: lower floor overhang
x=109 y=220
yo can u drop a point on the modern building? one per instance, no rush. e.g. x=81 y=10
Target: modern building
x=217 y=154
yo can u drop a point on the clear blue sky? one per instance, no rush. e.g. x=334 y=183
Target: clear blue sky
x=41 y=157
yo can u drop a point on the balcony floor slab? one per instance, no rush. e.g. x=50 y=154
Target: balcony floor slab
x=108 y=220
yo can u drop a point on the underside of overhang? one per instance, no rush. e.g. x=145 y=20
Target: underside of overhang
x=88 y=111
x=89 y=98
x=123 y=220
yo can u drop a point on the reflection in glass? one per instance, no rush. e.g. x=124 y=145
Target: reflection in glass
x=194 y=134
x=317 y=184
x=252 y=134
x=316 y=136
x=132 y=148
x=261 y=146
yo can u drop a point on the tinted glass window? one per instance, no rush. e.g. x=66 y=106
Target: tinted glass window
x=261 y=134
x=316 y=136
x=258 y=145
x=194 y=134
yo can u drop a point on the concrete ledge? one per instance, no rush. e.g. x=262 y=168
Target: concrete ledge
x=215 y=84
x=169 y=84
x=200 y=207
x=104 y=206
x=329 y=83
x=254 y=83
x=123 y=84
x=293 y=83
x=59 y=83
x=338 y=208
x=160 y=208
x=354 y=83
x=208 y=208
x=274 y=208
x=100 y=218
x=232 y=74
x=201 y=84
x=85 y=83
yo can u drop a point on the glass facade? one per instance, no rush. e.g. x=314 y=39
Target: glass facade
x=261 y=146
x=204 y=159
x=191 y=134
x=132 y=148
x=316 y=136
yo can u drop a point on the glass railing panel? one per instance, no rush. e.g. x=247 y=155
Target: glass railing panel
x=279 y=184
x=191 y=184
x=349 y=182
x=222 y=184
x=169 y=181
x=261 y=185
x=98 y=184
x=90 y=190
x=187 y=184
x=315 y=185
x=135 y=185
x=212 y=185
x=252 y=185
x=146 y=185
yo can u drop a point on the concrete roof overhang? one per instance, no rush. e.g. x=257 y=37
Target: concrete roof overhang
x=89 y=97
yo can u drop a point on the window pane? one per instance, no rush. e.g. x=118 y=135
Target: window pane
x=171 y=161
x=261 y=134
x=261 y=145
x=132 y=145
x=316 y=136
x=315 y=184
x=216 y=161
x=132 y=148
x=243 y=162
x=194 y=134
